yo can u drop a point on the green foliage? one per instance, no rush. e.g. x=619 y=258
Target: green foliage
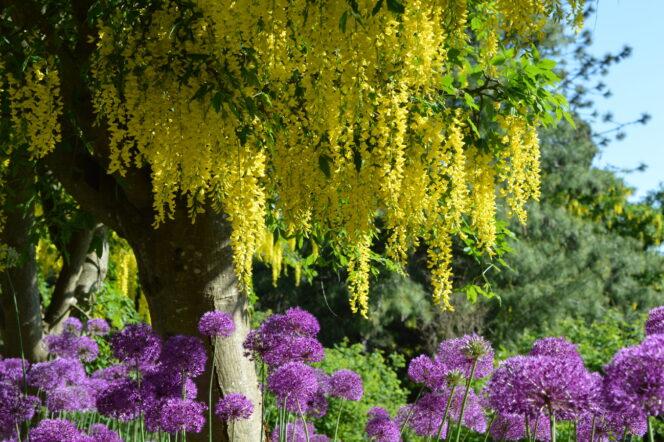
x=381 y=387
x=115 y=307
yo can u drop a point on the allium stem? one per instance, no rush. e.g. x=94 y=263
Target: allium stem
x=336 y=428
x=651 y=433
x=552 y=420
x=592 y=430
x=447 y=410
x=262 y=398
x=465 y=398
x=18 y=432
x=410 y=412
x=488 y=428
x=214 y=354
x=304 y=422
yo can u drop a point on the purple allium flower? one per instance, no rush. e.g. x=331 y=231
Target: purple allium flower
x=137 y=345
x=178 y=414
x=295 y=432
x=64 y=345
x=530 y=385
x=380 y=428
x=56 y=373
x=655 y=322
x=426 y=415
x=461 y=354
x=87 y=349
x=346 y=384
x=634 y=381
x=125 y=400
x=424 y=370
x=289 y=337
x=97 y=327
x=294 y=349
x=167 y=383
x=513 y=427
x=72 y=326
x=557 y=348
x=11 y=370
x=101 y=433
x=294 y=384
x=234 y=407
x=317 y=406
x=71 y=398
x=216 y=324
x=185 y=355
x=112 y=374
x=15 y=408
x=56 y=430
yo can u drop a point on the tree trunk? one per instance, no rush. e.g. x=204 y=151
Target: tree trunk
x=185 y=270
x=18 y=284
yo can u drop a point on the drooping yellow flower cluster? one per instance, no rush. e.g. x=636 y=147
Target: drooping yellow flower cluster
x=36 y=107
x=327 y=113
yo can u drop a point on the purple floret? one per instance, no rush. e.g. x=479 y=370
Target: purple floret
x=461 y=354
x=513 y=427
x=15 y=408
x=137 y=345
x=184 y=355
x=125 y=400
x=294 y=384
x=56 y=373
x=87 y=349
x=294 y=349
x=234 y=407
x=346 y=384
x=655 y=322
x=80 y=397
x=295 y=432
x=380 y=428
x=11 y=370
x=216 y=324
x=97 y=327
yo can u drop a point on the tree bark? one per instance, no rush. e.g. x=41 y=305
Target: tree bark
x=185 y=270
x=22 y=333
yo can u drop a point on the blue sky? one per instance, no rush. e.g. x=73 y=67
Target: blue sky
x=637 y=85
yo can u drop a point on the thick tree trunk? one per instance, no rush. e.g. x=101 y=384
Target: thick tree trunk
x=185 y=270
x=18 y=284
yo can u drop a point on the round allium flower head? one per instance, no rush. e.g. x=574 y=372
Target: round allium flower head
x=294 y=384
x=532 y=385
x=63 y=346
x=178 y=414
x=15 y=408
x=513 y=427
x=655 y=322
x=87 y=349
x=294 y=349
x=557 y=348
x=125 y=400
x=185 y=355
x=11 y=370
x=137 y=345
x=56 y=430
x=461 y=354
x=112 y=374
x=216 y=324
x=346 y=384
x=606 y=428
x=380 y=428
x=234 y=407
x=97 y=327
x=71 y=398
x=430 y=373
x=101 y=433
x=72 y=326
x=634 y=381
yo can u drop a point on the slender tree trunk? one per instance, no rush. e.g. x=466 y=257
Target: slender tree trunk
x=19 y=282
x=94 y=268
x=185 y=270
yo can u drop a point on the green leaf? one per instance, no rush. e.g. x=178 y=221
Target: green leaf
x=396 y=6
x=324 y=164
x=342 y=21
x=377 y=7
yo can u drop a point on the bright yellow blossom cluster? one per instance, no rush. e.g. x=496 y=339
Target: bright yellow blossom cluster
x=326 y=113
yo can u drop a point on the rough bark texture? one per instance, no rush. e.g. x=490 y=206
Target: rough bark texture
x=21 y=279
x=187 y=269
